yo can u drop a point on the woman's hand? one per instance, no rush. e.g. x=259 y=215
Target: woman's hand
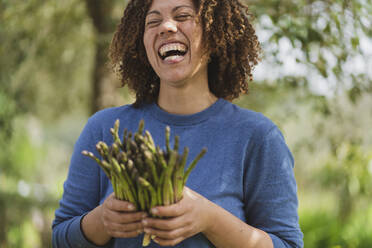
x=120 y=219
x=112 y=219
x=182 y=220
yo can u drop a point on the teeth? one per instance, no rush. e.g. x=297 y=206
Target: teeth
x=174 y=57
x=172 y=46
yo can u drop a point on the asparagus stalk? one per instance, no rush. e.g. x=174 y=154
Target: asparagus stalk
x=193 y=164
x=179 y=176
x=167 y=137
x=142 y=173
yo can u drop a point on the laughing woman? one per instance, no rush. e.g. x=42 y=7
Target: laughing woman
x=185 y=60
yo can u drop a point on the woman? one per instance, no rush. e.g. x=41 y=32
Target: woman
x=184 y=59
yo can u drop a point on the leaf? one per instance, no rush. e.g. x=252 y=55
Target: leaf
x=355 y=42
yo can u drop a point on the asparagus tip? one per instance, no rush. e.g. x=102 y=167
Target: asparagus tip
x=141 y=126
x=117 y=123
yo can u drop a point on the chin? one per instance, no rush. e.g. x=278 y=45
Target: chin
x=174 y=77
x=175 y=81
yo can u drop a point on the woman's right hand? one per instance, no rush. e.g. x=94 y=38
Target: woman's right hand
x=120 y=218
x=113 y=219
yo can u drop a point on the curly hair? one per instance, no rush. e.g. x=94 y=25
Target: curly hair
x=229 y=38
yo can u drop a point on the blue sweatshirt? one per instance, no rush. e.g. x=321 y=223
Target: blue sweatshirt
x=248 y=170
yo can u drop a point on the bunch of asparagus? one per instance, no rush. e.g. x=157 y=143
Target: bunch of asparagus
x=141 y=172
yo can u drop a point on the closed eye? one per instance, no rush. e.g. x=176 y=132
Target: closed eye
x=183 y=17
x=153 y=22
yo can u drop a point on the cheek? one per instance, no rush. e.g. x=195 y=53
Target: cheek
x=196 y=35
x=146 y=44
x=148 y=48
x=199 y=32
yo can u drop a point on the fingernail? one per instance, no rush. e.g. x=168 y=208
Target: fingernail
x=130 y=207
x=144 y=222
x=154 y=211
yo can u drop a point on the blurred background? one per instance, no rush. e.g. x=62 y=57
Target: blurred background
x=315 y=82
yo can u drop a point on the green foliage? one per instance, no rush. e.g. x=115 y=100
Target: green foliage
x=45 y=46
x=23 y=200
x=328 y=34
x=348 y=173
x=321 y=229
x=7 y=113
x=324 y=229
x=22 y=154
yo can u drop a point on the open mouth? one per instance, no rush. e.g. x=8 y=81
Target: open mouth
x=172 y=52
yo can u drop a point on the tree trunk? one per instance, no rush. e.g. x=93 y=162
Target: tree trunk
x=3 y=221
x=100 y=13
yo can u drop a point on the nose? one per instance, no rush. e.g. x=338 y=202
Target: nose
x=168 y=27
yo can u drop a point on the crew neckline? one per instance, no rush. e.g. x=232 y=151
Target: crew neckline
x=185 y=120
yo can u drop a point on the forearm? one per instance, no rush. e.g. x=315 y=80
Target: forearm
x=92 y=227
x=226 y=230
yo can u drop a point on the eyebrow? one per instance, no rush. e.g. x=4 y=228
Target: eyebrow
x=173 y=10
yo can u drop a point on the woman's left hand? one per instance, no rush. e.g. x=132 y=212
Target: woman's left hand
x=182 y=219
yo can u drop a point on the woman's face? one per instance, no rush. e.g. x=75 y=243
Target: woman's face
x=173 y=41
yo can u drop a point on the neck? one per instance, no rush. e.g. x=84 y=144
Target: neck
x=186 y=98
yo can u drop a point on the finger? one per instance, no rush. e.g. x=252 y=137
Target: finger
x=123 y=218
x=119 y=205
x=173 y=210
x=168 y=242
x=137 y=226
x=118 y=234
x=162 y=234
x=165 y=224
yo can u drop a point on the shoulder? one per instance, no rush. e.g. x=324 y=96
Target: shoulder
x=129 y=116
x=263 y=136
x=248 y=122
x=106 y=118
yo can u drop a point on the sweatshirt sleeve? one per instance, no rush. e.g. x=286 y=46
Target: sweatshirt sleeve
x=81 y=193
x=271 y=191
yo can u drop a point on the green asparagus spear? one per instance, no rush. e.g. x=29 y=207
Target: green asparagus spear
x=167 y=137
x=192 y=165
